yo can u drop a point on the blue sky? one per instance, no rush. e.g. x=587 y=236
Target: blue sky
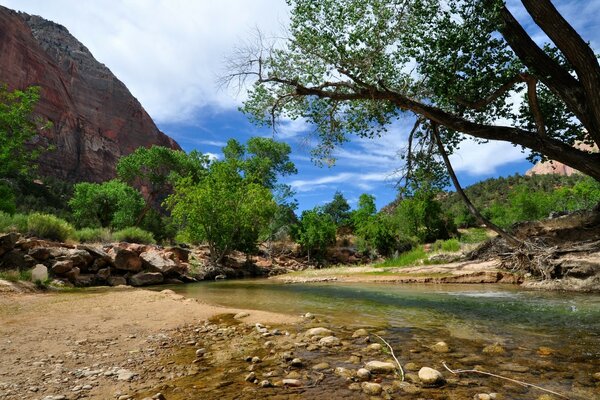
x=170 y=53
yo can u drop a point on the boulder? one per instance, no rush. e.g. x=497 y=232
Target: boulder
x=116 y=281
x=39 y=273
x=62 y=267
x=370 y=388
x=80 y=258
x=103 y=273
x=17 y=259
x=8 y=242
x=39 y=253
x=157 y=262
x=125 y=260
x=379 y=367
x=96 y=252
x=73 y=274
x=179 y=253
x=146 y=278
x=431 y=377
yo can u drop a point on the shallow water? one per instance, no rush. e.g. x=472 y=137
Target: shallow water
x=467 y=317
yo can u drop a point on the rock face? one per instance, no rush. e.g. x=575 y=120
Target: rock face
x=95 y=118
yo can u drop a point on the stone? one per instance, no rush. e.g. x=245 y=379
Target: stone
x=374 y=347
x=512 y=367
x=363 y=374
x=309 y=316
x=17 y=259
x=241 y=315
x=8 y=242
x=103 y=273
x=39 y=253
x=379 y=367
x=355 y=386
x=360 y=333
x=251 y=377
x=431 y=377
x=344 y=372
x=329 y=341
x=440 y=347
x=80 y=258
x=200 y=352
x=482 y=396
x=73 y=274
x=156 y=261
x=320 y=331
x=370 y=388
x=596 y=376
x=495 y=348
x=321 y=366
x=411 y=366
x=116 y=281
x=125 y=260
x=62 y=267
x=265 y=384
x=159 y=396
x=256 y=360
x=294 y=375
x=146 y=278
x=292 y=382
x=296 y=362
x=545 y=351
x=39 y=273
x=125 y=375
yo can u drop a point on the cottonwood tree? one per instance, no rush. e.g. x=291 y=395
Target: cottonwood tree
x=354 y=66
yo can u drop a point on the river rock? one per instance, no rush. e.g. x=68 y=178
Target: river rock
x=360 y=333
x=157 y=262
x=344 y=372
x=379 y=367
x=512 y=367
x=116 y=280
x=482 y=396
x=251 y=377
x=39 y=273
x=597 y=376
x=292 y=382
x=355 y=386
x=374 y=347
x=411 y=366
x=320 y=331
x=125 y=375
x=320 y=366
x=440 y=347
x=495 y=348
x=146 y=278
x=430 y=376
x=240 y=315
x=296 y=362
x=125 y=260
x=363 y=374
x=80 y=258
x=370 y=388
x=329 y=341
x=62 y=267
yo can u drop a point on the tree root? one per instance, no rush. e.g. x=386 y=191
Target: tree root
x=475 y=371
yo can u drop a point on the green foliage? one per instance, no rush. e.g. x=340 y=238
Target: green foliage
x=13 y=223
x=93 y=235
x=47 y=226
x=421 y=217
x=225 y=209
x=315 y=232
x=47 y=195
x=406 y=259
x=17 y=130
x=14 y=275
x=474 y=235
x=111 y=204
x=133 y=234
x=7 y=199
x=448 y=246
x=339 y=209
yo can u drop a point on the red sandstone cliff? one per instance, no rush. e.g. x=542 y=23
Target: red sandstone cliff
x=96 y=119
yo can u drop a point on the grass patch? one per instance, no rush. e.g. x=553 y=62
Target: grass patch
x=474 y=235
x=447 y=246
x=15 y=275
x=47 y=226
x=405 y=259
x=13 y=223
x=93 y=235
x=134 y=235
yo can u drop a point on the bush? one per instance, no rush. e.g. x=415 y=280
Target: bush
x=449 y=246
x=474 y=235
x=134 y=235
x=93 y=235
x=7 y=199
x=47 y=226
x=13 y=223
x=15 y=275
x=405 y=259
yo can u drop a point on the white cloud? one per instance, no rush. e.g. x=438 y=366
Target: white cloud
x=481 y=159
x=169 y=53
x=360 y=180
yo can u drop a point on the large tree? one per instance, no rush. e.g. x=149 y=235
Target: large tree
x=463 y=67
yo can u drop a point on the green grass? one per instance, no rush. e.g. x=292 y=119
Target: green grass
x=134 y=235
x=15 y=275
x=93 y=235
x=474 y=235
x=48 y=226
x=447 y=246
x=13 y=223
x=405 y=259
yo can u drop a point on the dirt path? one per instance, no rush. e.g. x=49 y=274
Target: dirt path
x=93 y=344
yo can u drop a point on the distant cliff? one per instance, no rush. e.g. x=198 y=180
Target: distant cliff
x=95 y=118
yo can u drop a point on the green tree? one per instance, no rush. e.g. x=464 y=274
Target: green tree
x=154 y=170
x=354 y=66
x=421 y=217
x=339 y=209
x=111 y=204
x=315 y=232
x=224 y=209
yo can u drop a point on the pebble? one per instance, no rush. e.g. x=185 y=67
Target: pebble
x=200 y=352
x=320 y=331
x=354 y=386
x=125 y=375
x=482 y=396
x=292 y=382
x=308 y=316
x=255 y=360
x=320 y=366
x=344 y=372
x=371 y=388
x=411 y=366
x=329 y=341
x=379 y=367
x=495 y=348
x=374 y=347
x=265 y=384
x=363 y=374
x=430 y=376
x=440 y=347
x=250 y=377
x=545 y=351
x=296 y=362
x=360 y=333
x=293 y=375
x=597 y=376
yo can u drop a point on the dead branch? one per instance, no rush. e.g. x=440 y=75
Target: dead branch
x=393 y=355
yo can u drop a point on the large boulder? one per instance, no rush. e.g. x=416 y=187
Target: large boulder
x=39 y=253
x=17 y=259
x=146 y=278
x=62 y=267
x=125 y=260
x=8 y=242
x=180 y=254
x=80 y=258
x=157 y=261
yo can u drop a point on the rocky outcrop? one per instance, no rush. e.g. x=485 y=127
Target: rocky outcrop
x=96 y=120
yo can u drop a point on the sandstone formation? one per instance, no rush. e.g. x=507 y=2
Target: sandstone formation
x=95 y=118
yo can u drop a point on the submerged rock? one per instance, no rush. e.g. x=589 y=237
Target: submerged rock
x=320 y=331
x=379 y=367
x=495 y=348
x=330 y=341
x=440 y=347
x=371 y=388
x=360 y=333
x=430 y=376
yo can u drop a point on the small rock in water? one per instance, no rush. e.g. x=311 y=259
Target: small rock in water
x=321 y=366
x=379 y=367
x=200 y=352
x=256 y=360
x=430 y=376
x=309 y=316
x=265 y=384
x=292 y=382
x=495 y=348
x=363 y=374
x=354 y=386
x=320 y=331
x=344 y=372
x=597 y=376
x=371 y=388
x=329 y=341
x=360 y=333
x=296 y=362
x=159 y=396
x=482 y=396
x=374 y=347
x=545 y=351
x=293 y=375
x=440 y=347
x=411 y=366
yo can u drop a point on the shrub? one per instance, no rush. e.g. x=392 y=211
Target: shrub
x=47 y=226
x=474 y=235
x=13 y=223
x=406 y=259
x=450 y=245
x=91 y=235
x=15 y=275
x=134 y=235
x=7 y=199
